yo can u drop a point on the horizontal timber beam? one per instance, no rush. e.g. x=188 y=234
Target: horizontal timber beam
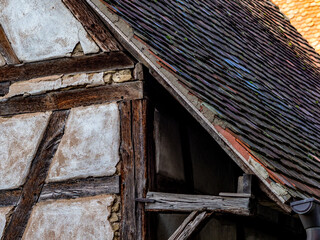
x=81 y=188
x=68 y=65
x=156 y=201
x=67 y=189
x=57 y=100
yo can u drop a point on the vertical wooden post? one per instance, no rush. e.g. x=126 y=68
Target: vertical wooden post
x=134 y=168
x=128 y=223
x=139 y=129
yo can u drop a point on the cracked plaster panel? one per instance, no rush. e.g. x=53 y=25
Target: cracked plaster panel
x=90 y=145
x=19 y=139
x=83 y=218
x=42 y=29
x=3 y=212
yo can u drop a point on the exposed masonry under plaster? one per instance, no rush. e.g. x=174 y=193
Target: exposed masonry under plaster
x=142 y=50
x=45 y=84
x=40 y=30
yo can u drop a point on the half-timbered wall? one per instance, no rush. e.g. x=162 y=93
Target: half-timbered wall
x=65 y=88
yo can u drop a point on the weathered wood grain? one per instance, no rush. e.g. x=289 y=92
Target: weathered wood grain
x=6 y=49
x=189 y=225
x=187 y=203
x=92 y=23
x=139 y=130
x=80 y=188
x=9 y=197
x=38 y=172
x=128 y=221
x=69 y=65
x=57 y=100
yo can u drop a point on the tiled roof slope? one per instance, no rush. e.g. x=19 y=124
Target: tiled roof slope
x=254 y=72
x=304 y=15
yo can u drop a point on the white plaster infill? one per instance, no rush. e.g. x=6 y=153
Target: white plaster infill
x=44 y=29
x=80 y=219
x=19 y=139
x=90 y=145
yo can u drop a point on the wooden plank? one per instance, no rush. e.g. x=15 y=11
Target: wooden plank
x=9 y=197
x=38 y=172
x=69 y=65
x=93 y=24
x=189 y=226
x=188 y=203
x=80 y=188
x=6 y=49
x=57 y=100
x=139 y=134
x=235 y=195
x=128 y=221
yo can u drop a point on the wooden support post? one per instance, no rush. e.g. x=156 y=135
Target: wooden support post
x=134 y=168
x=189 y=226
x=139 y=128
x=128 y=221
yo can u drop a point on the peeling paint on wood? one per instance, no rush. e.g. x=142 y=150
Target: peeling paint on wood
x=90 y=146
x=19 y=138
x=40 y=30
x=83 y=218
x=3 y=212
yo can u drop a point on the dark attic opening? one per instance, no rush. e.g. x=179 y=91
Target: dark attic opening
x=187 y=161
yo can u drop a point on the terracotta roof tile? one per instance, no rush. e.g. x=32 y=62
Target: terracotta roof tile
x=304 y=16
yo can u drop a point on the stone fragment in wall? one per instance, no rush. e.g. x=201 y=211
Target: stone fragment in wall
x=122 y=76
x=3 y=212
x=93 y=79
x=90 y=145
x=41 y=30
x=20 y=136
x=82 y=218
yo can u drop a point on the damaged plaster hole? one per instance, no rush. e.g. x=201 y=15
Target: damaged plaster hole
x=77 y=51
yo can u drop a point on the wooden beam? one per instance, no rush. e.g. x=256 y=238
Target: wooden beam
x=128 y=221
x=189 y=226
x=6 y=49
x=68 y=65
x=80 y=188
x=38 y=172
x=188 y=203
x=93 y=24
x=139 y=134
x=57 y=100
x=9 y=197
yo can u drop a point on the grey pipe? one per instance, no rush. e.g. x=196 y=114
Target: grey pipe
x=309 y=213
